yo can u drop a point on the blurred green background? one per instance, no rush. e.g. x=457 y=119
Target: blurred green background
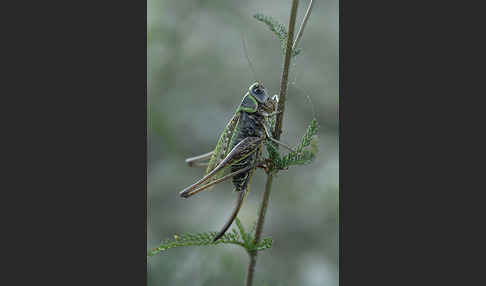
x=197 y=75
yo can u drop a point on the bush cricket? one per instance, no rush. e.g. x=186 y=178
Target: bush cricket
x=238 y=151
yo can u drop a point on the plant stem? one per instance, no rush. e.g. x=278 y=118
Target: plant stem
x=285 y=71
x=277 y=132
x=258 y=232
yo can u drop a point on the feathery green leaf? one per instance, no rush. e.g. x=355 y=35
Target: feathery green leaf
x=243 y=234
x=305 y=152
x=206 y=238
x=200 y=239
x=278 y=29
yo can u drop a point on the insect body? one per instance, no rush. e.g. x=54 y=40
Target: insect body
x=239 y=148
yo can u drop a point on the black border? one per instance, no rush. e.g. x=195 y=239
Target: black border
x=403 y=205
x=79 y=144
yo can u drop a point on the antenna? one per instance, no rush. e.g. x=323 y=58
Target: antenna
x=306 y=94
x=302 y=90
x=246 y=55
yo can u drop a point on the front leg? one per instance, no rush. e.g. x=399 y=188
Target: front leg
x=269 y=136
x=271 y=114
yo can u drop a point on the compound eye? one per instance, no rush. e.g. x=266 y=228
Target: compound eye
x=257 y=91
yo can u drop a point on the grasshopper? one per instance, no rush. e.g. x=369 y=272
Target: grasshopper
x=238 y=151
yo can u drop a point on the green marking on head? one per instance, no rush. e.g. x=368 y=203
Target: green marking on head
x=248 y=104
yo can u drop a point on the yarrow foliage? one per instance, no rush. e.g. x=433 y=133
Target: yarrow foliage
x=304 y=154
x=278 y=29
x=242 y=239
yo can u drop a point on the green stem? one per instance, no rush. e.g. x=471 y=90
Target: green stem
x=276 y=134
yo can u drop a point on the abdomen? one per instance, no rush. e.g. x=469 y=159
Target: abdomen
x=248 y=126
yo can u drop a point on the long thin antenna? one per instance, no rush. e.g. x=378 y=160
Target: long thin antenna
x=302 y=26
x=248 y=58
x=306 y=94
